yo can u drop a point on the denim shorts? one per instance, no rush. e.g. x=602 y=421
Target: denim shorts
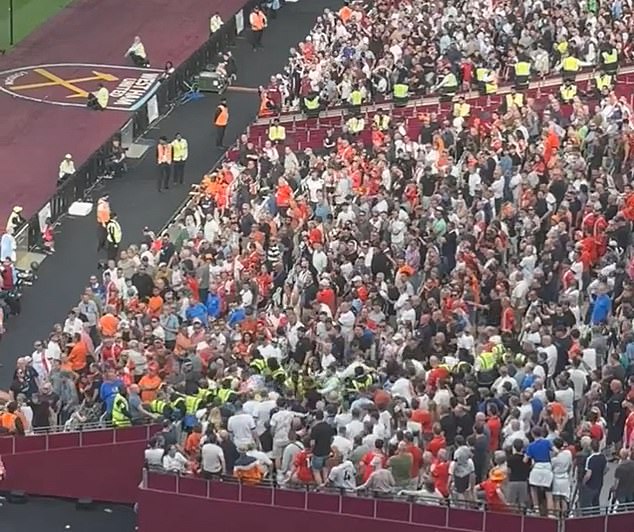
x=318 y=462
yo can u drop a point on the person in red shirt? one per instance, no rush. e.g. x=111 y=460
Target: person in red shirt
x=437 y=442
x=366 y=462
x=302 y=472
x=440 y=473
x=507 y=322
x=422 y=417
x=628 y=436
x=416 y=452
x=327 y=296
x=492 y=488
x=494 y=425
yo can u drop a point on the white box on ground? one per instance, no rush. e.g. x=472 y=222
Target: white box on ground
x=80 y=208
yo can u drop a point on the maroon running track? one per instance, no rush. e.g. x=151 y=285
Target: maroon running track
x=35 y=136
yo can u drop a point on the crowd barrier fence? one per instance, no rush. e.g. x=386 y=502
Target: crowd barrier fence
x=245 y=506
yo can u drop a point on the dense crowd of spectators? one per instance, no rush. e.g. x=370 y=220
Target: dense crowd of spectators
x=364 y=50
x=441 y=316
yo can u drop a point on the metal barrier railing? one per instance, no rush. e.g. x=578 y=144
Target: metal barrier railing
x=446 y=514
x=85 y=437
x=387 y=105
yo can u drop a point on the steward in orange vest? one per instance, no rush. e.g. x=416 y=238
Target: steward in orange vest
x=258 y=22
x=164 y=161
x=221 y=119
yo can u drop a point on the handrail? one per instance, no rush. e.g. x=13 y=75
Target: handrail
x=387 y=105
x=10 y=445
x=430 y=512
x=422 y=511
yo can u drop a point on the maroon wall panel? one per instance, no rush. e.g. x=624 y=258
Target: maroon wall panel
x=229 y=516
x=106 y=472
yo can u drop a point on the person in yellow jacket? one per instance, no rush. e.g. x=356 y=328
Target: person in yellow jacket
x=461 y=109
x=103 y=217
x=180 y=153
x=570 y=66
x=114 y=235
x=448 y=85
x=522 y=72
x=277 y=132
x=568 y=91
x=610 y=60
x=603 y=82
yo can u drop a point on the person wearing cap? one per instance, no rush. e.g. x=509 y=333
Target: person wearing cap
x=493 y=492
x=66 y=168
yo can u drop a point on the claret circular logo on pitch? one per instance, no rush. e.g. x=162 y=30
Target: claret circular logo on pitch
x=68 y=84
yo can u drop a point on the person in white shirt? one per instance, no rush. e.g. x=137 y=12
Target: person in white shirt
x=154 y=455
x=137 y=53
x=73 y=325
x=281 y=425
x=551 y=354
x=66 y=168
x=343 y=476
x=42 y=362
x=174 y=461
x=242 y=427
x=341 y=445
x=355 y=427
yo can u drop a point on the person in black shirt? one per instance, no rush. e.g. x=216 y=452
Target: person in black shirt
x=592 y=482
x=321 y=437
x=519 y=470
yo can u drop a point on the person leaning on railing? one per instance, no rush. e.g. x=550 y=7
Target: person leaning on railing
x=10 y=421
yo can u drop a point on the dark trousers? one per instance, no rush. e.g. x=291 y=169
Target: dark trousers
x=113 y=251
x=164 y=176
x=220 y=135
x=179 y=172
x=138 y=60
x=257 y=39
x=101 y=237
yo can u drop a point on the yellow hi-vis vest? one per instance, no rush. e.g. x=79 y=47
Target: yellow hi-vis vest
x=568 y=92
x=517 y=100
x=356 y=125
x=356 y=97
x=461 y=110
x=277 y=133
x=312 y=104
x=570 y=64
x=224 y=394
x=382 y=122
x=180 y=150
x=609 y=58
x=119 y=406
x=401 y=90
x=113 y=232
x=603 y=81
x=522 y=69
x=481 y=74
x=192 y=404
x=487 y=361
x=491 y=87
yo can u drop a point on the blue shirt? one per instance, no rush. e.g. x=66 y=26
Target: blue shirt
x=237 y=316
x=108 y=391
x=197 y=311
x=539 y=450
x=213 y=305
x=601 y=309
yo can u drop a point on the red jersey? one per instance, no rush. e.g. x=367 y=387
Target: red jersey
x=302 y=465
